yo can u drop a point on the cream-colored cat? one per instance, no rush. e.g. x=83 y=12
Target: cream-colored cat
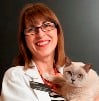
x=79 y=82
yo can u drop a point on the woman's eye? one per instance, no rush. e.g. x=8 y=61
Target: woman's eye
x=46 y=25
x=30 y=30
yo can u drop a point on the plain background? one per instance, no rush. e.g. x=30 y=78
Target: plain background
x=80 y=22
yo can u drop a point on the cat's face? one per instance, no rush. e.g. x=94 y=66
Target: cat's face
x=75 y=74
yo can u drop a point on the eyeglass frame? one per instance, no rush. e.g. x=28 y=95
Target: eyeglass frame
x=36 y=29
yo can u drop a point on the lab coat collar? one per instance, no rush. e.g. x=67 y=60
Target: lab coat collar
x=33 y=73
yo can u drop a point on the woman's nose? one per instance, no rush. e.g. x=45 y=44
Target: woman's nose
x=40 y=32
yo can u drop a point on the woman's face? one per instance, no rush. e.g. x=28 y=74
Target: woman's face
x=41 y=39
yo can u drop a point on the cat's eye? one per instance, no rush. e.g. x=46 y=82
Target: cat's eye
x=79 y=75
x=69 y=72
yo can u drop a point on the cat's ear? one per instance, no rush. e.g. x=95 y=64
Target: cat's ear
x=87 y=67
x=67 y=61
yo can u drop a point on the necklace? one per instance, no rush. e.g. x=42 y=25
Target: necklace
x=48 y=83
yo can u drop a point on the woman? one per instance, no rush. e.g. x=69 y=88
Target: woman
x=41 y=49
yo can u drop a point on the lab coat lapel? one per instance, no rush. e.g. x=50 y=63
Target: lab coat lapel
x=34 y=75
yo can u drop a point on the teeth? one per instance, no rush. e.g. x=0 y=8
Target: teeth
x=42 y=43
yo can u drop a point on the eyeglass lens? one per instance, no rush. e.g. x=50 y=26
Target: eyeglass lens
x=46 y=26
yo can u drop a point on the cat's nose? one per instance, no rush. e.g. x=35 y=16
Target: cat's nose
x=73 y=80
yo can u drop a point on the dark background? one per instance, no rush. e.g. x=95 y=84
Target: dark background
x=80 y=22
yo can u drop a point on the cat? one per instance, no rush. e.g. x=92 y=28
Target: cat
x=78 y=83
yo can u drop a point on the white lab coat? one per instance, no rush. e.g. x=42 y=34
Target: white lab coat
x=16 y=85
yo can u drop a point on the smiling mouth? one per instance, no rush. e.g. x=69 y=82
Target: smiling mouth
x=43 y=43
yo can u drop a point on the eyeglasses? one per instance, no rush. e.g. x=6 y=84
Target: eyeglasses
x=46 y=26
